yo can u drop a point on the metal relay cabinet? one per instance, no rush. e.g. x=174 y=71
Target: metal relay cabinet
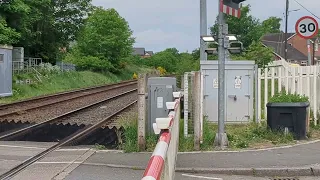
x=239 y=90
x=5 y=70
x=160 y=91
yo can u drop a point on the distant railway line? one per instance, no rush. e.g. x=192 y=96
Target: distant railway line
x=43 y=108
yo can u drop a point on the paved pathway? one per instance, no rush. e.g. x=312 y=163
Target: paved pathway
x=296 y=156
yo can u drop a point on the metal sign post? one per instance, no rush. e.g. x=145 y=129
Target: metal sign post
x=203 y=29
x=307 y=27
x=230 y=7
x=221 y=137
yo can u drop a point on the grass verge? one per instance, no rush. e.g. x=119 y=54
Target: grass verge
x=130 y=144
x=241 y=136
x=63 y=81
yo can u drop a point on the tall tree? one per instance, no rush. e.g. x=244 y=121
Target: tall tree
x=106 y=35
x=43 y=26
x=166 y=59
x=10 y=20
x=249 y=28
x=69 y=17
x=7 y=34
x=261 y=54
x=271 y=25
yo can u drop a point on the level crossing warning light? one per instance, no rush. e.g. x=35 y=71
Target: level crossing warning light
x=231 y=7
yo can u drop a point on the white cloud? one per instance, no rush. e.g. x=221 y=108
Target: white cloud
x=176 y=22
x=160 y=40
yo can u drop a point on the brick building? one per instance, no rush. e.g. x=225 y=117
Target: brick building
x=297 y=47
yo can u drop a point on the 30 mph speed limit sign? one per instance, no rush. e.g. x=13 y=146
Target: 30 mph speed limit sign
x=307 y=27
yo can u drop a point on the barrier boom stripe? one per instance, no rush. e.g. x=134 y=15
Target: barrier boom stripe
x=156 y=162
x=229 y=10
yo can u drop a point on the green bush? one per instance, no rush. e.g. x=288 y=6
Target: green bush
x=282 y=97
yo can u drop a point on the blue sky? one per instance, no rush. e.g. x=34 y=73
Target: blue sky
x=160 y=24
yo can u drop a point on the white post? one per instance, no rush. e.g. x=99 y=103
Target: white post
x=279 y=79
x=315 y=108
x=185 y=104
x=308 y=89
x=293 y=85
x=259 y=94
x=265 y=91
x=287 y=79
x=272 y=81
x=300 y=82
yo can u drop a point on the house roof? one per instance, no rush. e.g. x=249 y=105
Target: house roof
x=276 y=37
x=278 y=48
x=139 y=51
x=149 y=52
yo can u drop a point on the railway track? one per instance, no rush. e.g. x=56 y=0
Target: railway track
x=72 y=139
x=98 y=113
x=66 y=116
x=39 y=112
x=43 y=101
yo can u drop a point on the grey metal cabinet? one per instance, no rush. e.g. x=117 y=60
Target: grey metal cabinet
x=160 y=91
x=5 y=71
x=239 y=90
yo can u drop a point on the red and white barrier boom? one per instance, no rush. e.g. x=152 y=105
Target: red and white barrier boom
x=168 y=128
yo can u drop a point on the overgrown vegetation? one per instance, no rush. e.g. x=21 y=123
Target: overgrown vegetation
x=54 y=81
x=241 y=136
x=283 y=97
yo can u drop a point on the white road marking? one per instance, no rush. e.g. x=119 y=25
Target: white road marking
x=254 y=150
x=84 y=149
x=24 y=147
x=201 y=177
x=61 y=162
x=43 y=148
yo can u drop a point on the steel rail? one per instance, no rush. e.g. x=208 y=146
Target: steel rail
x=20 y=132
x=5 y=106
x=115 y=86
x=86 y=132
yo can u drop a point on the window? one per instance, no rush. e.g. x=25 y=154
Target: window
x=1 y=58
x=303 y=63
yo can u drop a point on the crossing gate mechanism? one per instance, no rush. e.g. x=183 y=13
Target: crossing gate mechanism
x=239 y=90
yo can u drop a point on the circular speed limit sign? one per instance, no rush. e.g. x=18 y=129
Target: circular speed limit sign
x=307 y=27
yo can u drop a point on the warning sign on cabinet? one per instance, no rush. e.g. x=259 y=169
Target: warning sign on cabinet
x=160 y=102
x=215 y=83
x=237 y=82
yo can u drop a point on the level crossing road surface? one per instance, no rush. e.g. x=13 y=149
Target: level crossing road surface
x=89 y=172
x=85 y=162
